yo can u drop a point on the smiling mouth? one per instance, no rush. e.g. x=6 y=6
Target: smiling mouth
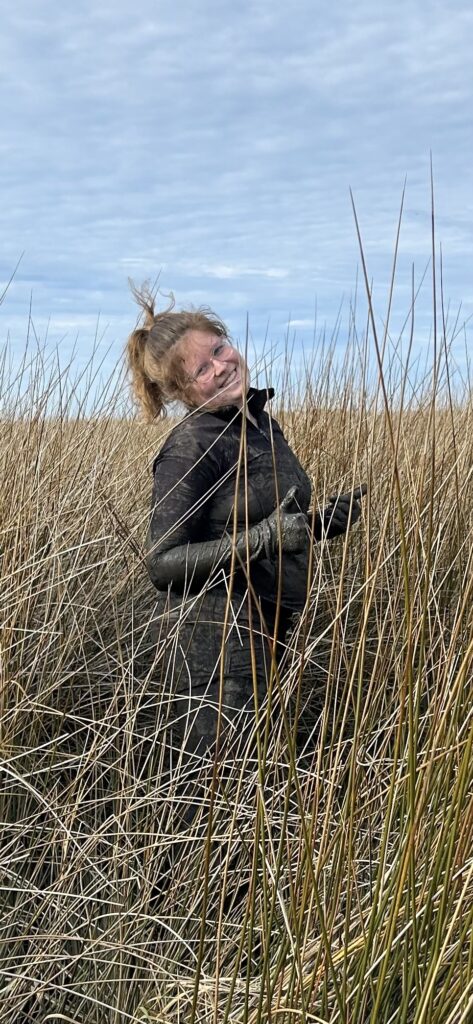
x=230 y=380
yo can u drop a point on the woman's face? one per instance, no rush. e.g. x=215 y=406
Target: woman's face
x=218 y=373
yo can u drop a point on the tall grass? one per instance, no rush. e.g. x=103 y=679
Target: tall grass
x=335 y=880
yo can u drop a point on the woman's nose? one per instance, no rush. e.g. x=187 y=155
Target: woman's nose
x=219 y=366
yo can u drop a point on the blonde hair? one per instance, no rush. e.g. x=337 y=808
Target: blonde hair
x=156 y=369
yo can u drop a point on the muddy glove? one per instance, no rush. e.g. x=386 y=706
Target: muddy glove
x=196 y=562
x=290 y=526
x=342 y=511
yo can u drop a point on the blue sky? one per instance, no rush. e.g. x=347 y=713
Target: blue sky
x=215 y=144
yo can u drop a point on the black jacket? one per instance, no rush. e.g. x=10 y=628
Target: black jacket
x=201 y=468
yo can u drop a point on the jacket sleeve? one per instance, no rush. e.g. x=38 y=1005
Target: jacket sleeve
x=186 y=475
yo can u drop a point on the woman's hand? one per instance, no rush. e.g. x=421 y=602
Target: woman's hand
x=291 y=527
x=342 y=511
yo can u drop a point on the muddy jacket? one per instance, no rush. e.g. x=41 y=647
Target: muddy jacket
x=212 y=491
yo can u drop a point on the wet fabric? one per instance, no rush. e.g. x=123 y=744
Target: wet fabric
x=214 y=668
x=210 y=482
x=216 y=663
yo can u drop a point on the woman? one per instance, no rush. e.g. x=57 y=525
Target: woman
x=230 y=530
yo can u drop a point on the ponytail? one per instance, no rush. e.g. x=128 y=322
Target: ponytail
x=147 y=393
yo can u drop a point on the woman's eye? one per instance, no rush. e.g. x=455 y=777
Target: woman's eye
x=218 y=349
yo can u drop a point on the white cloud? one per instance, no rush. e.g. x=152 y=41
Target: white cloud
x=307 y=322
x=225 y=167
x=228 y=272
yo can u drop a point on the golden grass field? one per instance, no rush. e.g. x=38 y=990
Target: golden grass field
x=353 y=832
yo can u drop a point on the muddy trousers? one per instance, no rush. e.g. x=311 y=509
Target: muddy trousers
x=216 y=657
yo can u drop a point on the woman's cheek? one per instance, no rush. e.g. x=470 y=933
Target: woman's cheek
x=244 y=373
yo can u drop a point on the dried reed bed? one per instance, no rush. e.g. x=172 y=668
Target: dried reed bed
x=334 y=883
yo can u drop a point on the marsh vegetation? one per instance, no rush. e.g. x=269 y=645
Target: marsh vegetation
x=330 y=877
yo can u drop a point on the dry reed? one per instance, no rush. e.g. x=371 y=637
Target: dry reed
x=352 y=840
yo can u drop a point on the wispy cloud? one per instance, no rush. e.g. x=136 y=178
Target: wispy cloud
x=306 y=322
x=229 y=272
x=216 y=149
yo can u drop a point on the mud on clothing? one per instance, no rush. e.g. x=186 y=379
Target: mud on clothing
x=209 y=483
x=216 y=665
x=200 y=470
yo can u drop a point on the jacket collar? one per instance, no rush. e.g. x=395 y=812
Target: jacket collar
x=256 y=399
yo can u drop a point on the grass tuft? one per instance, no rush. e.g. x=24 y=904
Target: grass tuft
x=352 y=842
